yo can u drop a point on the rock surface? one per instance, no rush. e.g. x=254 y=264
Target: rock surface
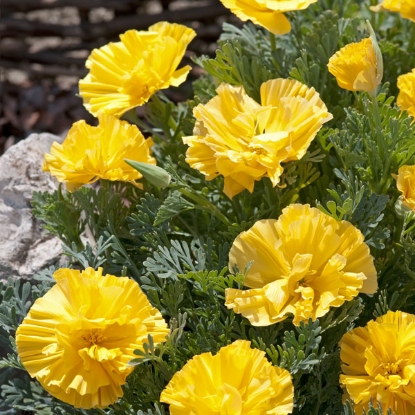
x=25 y=248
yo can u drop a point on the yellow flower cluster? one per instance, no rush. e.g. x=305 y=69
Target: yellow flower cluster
x=406 y=96
x=92 y=153
x=379 y=363
x=243 y=141
x=124 y=75
x=238 y=380
x=303 y=263
x=79 y=338
x=267 y=13
x=406 y=8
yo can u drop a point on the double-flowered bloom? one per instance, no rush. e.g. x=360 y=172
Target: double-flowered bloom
x=301 y=264
x=123 y=75
x=92 y=153
x=238 y=380
x=267 y=13
x=243 y=141
x=406 y=8
x=406 y=96
x=379 y=363
x=405 y=182
x=78 y=339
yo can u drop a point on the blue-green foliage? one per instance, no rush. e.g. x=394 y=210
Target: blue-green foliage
x=175 y=241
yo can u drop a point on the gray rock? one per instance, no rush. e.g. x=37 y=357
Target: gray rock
x=25 y=248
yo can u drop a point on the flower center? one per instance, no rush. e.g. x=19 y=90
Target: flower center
x=260 y=151
x=92 y=336
x=392 y=368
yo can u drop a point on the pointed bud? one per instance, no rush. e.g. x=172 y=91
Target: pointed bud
x=154 y=174
x=378 y=54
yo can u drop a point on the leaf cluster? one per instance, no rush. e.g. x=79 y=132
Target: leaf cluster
x=175 y=241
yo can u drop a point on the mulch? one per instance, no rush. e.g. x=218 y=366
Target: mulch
x=44 y=45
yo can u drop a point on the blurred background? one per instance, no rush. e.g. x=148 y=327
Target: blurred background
x=44 y=45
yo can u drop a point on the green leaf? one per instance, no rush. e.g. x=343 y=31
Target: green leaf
x=173 y=205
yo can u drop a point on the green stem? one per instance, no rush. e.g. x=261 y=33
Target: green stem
x=206 y=205
x=378 y=123
x=318 y=404
x=73 y=235
x=78 y=242
x=171 y=124
x=104 y=184
x=383 y=184
x=132 y=117
x=398 y=230
x=272 y=42
x=380 y=142
x=411 y=43
x=129 y=263
x=273 y=45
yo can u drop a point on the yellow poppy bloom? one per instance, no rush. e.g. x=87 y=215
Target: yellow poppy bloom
x=78 y=339
x=406 y=8
x=406 y=96
x=267 y=13
x=355 y=67
x=405 y=182
x=302 y=264
x=379 y=363
x=243 y=141
x=124 y=75
x=92 y=153
x=238 y=380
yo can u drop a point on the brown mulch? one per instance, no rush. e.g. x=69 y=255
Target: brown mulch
x=44 y=45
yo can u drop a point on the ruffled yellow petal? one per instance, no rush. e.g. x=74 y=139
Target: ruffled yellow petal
x=238 y=380
x=78 y=339
x=124 y=75
x=267 y=13
x=243 y=141
x=405 y=182
x=379 y=363
x=355 y=67
x=406 y=8
x=92 y=153
x=406 y=96
x=301 y=113
x=302 y=264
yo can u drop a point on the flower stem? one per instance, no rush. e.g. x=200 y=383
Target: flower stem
x=380 y=142
x=272 y=42
x=205 y=205
x=411 y=45
x=273 y=45
x=132 y=117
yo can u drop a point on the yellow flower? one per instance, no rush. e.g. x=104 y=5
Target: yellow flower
x=405 y=182
x=355 y=67
x=379 y=363
x=92 y=153
x=406 y=96
x=243 y=141
x=267 y=13
x=303 y=263
x=125 y=74
x=406 y=8
x=238 y=380
x=78 y=339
